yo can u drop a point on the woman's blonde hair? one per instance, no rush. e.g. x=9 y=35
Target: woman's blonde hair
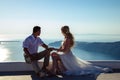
x=66 y=31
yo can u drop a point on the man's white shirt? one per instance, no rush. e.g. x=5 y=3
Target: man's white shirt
x=32 y=44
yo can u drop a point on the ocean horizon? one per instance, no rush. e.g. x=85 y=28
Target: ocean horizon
x=12 y=51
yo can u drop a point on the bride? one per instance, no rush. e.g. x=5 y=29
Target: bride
x=66 y=63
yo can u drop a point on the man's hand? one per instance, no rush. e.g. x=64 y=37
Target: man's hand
x=50 y=49
x=31 y=57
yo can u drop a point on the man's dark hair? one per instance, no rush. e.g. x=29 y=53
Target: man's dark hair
x=36 y=28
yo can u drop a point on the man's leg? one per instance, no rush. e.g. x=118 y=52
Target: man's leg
x=37 y=69
x=35 y=66
x=46 y=55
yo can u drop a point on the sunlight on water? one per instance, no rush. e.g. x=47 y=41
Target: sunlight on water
x=11 y=49
x=3 y=54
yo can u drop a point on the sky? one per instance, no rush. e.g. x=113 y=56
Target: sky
x=18 y=17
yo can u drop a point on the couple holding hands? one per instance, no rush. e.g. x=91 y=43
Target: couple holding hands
x=63 y=60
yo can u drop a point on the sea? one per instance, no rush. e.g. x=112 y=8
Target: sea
x=12 y=50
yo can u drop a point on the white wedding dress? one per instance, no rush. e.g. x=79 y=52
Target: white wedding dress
x=77 y=66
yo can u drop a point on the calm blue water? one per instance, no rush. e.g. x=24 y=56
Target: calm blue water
x=13 y=51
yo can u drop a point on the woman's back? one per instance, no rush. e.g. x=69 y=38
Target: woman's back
x=66 y=45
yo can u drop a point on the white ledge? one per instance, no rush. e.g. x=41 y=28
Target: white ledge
x=22 y=66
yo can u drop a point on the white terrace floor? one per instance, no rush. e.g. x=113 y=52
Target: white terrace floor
x=106 y=76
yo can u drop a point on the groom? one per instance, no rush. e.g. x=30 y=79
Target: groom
x=30 y=48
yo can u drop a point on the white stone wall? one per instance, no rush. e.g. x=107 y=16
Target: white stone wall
x=22 y=66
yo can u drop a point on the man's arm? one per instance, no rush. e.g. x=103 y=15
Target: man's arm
x=27 y=52
x=45 y=46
